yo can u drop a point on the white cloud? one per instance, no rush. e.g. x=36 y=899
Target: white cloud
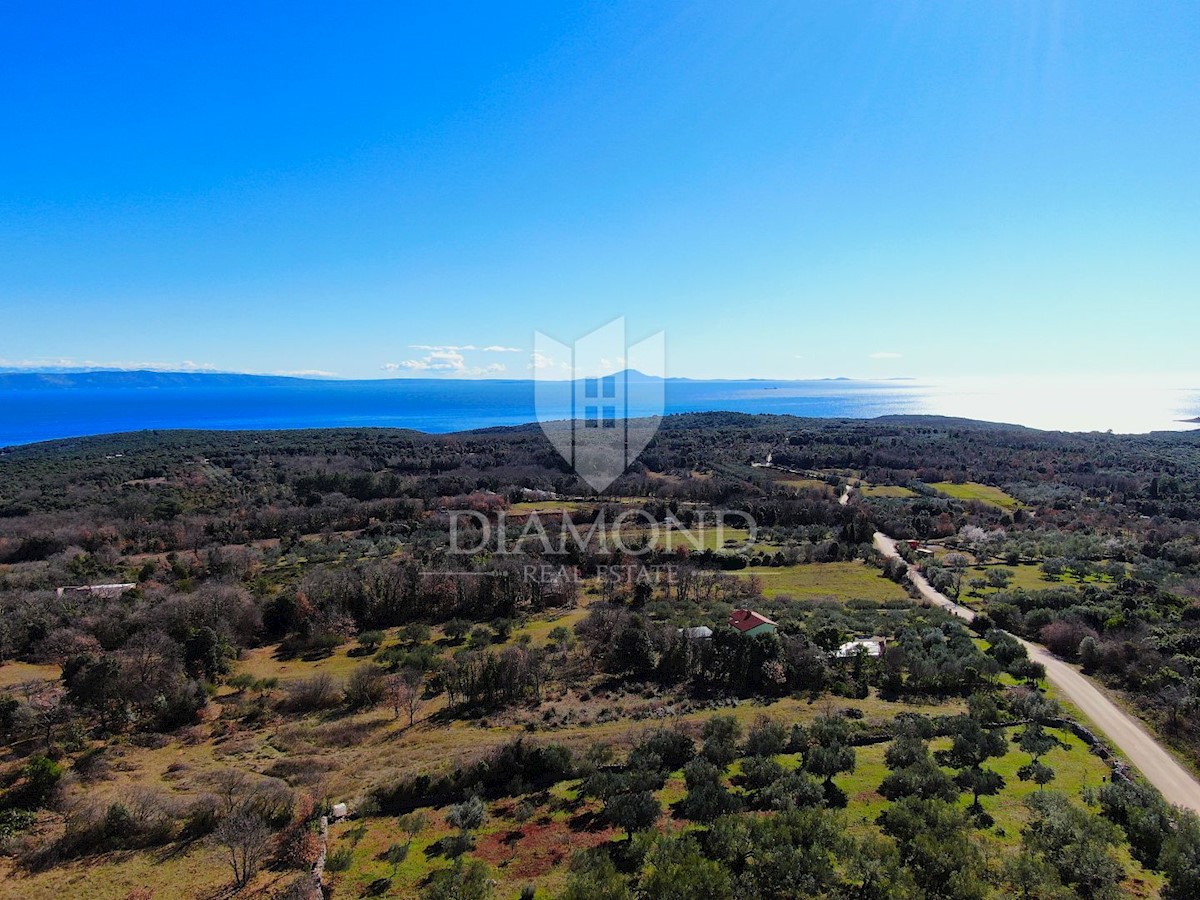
x=439 y=360
x=548 y=366
x=37 y=363
x=309 y=373
x=444 y=361
x=461 y=348
x=886 y=354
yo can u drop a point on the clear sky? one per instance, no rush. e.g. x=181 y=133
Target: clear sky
x=789 y=190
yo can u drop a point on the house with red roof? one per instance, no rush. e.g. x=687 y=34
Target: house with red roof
x=747 y=621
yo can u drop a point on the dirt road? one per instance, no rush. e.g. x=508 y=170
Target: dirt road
x=1124 y=731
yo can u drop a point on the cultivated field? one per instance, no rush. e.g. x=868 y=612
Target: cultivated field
x=981 y=492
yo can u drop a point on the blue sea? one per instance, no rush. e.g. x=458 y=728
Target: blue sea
x=44 y=412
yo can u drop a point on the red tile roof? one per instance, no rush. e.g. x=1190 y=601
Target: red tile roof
x=746 y=619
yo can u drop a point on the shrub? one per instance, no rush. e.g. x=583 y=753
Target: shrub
x=366 y=687
x=312 y=694
x=462 y=880
x=371 y=641
x=14 y=821
x=468 y=815
x=201 y=819
x=795 y=790
x=1143 y=815
x=1063 y=638
x=766 y=738
x=39 y=777
x=672 y=746
x=760 y=771
x=720 y=740
x=241 y=681
x=339 y=860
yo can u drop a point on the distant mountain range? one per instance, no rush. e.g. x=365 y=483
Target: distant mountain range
x=93 y=378
x=60 y=378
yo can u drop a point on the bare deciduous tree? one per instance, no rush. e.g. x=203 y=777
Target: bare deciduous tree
x=246 y=839
x=405 y=692
x=231 y=786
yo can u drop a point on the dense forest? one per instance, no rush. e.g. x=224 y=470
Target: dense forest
x=191 y=590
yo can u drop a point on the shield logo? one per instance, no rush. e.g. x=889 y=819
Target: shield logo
x=605 y=413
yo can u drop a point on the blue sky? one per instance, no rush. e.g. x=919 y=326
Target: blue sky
x=788 y=190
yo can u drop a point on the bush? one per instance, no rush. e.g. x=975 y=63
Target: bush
x=760 y=771
x=371 y=641
x=201 y=819
x=366 y=687
x=143 y=818
x=468 y=815
x=14 y=821
x=461 y=881
x=672 y=746
x=766 y=738
x=795 y=790
x=320 y=644
x=39 y=777
x=1063 y=638
x=1142 y=814
x=312 y=694
x=720 y=740
x=339 y=860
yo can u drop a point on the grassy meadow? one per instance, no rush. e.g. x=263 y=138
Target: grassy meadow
x=836 y=580
x=982 y=493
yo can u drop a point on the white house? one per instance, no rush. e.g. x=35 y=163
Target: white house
x=869 y=646
x=107 y=591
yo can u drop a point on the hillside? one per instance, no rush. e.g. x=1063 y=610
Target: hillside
x=508 y=682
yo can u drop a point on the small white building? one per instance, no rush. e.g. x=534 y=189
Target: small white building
x=107 y=591
x=869 y=646
x=697 y=632
x=535 y=494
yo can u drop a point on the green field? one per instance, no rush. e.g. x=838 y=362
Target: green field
x=885 y=490
x=708 y=538
x=839 y=580
x=15 y=672
x=806 y=484
x=542 y=507
x=1075 y=768
x=981 y=492
x=1027 y=577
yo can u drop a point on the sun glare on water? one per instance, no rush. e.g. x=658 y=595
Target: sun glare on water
x=1125 y=405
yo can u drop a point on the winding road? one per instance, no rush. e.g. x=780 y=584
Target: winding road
x=1123 y=730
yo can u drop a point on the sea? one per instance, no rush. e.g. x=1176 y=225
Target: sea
x=79 y=407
